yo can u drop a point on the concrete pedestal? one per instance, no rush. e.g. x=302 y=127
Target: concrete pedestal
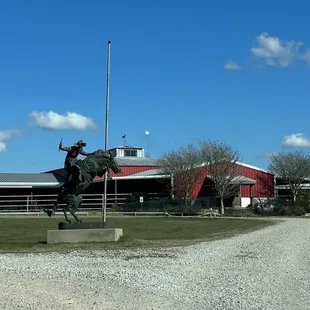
x=84 y=235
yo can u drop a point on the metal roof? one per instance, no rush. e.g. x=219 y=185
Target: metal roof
x=157 y=172
x=136 y=161
x=243 y=180
x=148 y=173
x=252 y=167
x=30 y=179
x=127 y=147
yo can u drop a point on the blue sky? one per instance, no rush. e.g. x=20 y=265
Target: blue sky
x=168 y=76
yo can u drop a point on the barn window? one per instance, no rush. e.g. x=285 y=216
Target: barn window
x=131 y=153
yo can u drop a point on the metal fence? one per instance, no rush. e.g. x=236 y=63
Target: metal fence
x=116 y=203
x=31 y=203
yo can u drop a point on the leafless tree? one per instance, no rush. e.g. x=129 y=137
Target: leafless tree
x=293 y=167
x=266 y=182
x=220 y=160
x=184 y=166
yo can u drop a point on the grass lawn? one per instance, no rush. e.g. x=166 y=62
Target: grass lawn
x=29 y=234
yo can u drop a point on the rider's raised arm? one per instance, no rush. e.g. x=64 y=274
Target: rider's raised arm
x=65 y=148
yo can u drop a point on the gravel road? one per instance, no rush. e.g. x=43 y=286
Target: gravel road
x=266 y=269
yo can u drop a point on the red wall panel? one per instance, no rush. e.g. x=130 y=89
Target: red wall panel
x=264 y=186
x=129 y=170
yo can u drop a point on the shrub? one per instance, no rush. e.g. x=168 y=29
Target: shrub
x=289 y=208
x=261 y=209
x=246 y=212
x=116 y=208
x=299 y=210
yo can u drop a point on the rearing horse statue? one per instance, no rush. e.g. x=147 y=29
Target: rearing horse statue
x=81 y=176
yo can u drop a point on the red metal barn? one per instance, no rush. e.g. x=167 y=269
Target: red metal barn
x=141 y=174
x=254 y=183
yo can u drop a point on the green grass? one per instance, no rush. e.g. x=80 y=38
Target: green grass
x=29 y=234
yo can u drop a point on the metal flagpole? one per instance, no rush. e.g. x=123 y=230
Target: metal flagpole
x=106 y=131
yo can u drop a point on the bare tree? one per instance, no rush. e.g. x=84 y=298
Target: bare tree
x=292 y=167
x=221 y=160
x=184 y=166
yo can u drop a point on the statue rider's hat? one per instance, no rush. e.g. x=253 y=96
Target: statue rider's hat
x=80 y=143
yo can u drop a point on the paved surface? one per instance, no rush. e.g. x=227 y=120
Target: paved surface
x=267 y=269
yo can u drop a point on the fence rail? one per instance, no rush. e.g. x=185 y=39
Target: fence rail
x=35 y=203
x=126 y=202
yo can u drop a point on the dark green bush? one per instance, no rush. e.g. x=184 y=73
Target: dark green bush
x=246 y=212
x=289 y=208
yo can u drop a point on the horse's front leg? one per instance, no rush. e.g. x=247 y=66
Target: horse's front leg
x=51 y=212
x=77 y=203
x=75 y=216
x=66 y=215
x=55 y=208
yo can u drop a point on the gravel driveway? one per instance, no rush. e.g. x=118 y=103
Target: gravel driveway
x=266 y=269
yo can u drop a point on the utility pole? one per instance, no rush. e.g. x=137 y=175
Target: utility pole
x=104 y=211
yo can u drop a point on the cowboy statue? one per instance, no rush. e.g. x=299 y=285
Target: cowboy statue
x=72 y=153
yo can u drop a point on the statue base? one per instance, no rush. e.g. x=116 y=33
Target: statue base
x=84 y=235
x=64 y=225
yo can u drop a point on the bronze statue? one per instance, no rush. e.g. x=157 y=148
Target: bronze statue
x=80 y=176
x=72 y=153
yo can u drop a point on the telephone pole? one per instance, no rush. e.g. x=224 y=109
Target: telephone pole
x=104 y=211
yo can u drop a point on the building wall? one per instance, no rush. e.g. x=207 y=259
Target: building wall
x=245 y=201
x=129 y=170
x=264 y=186
x=120 y=152
x=130 y=186
x=126 y=171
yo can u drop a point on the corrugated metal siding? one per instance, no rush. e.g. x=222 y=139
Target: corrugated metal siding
x=264 y=186
x=197 y=187
x=136 y=161
x=30 y=178
x=131 y=170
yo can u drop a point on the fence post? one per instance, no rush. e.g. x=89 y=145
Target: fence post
x=27 y=203
x=103 y=209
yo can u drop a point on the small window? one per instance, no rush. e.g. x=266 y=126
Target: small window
x=131 y=153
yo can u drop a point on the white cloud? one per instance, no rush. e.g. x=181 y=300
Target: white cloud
x=231 y=65
x=306 y=56
x=2 y=147
x=54 y=121
x=6 y=135
x=296 y=140
x=274 y=51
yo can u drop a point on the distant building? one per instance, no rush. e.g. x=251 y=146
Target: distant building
x=140 y=174
x=283 y=191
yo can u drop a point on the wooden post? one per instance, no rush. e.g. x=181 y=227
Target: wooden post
x=251 y=195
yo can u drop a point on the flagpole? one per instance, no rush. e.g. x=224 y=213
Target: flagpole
x=106 y=132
